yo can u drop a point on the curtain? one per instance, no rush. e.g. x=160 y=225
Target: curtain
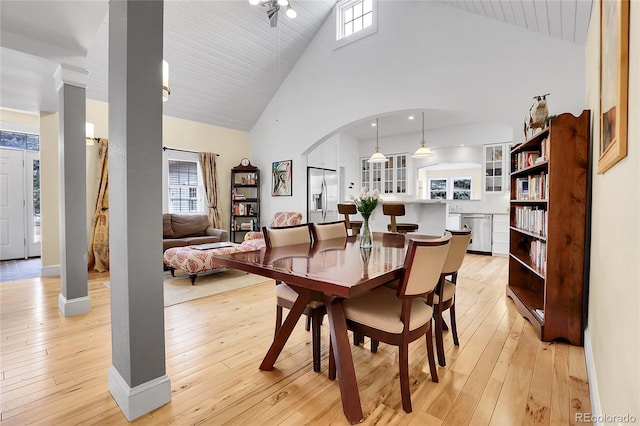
x=99 y=244
x=210 y=177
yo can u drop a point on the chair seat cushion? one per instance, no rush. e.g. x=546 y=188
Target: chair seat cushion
x=449 y=292
x=380 y=309
x=404 y=227
x=283 y=291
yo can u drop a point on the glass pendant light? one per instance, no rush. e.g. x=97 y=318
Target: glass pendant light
x=377 y=156
x=423 y=151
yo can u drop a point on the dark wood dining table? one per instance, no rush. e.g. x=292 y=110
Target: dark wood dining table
x=331 y=271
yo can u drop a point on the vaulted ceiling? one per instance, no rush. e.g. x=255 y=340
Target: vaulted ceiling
x=226 y=62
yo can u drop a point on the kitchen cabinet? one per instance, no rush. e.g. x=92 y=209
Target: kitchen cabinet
x=500 y=236
x=494 y=168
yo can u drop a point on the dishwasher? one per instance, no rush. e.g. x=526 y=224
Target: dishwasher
x=480 y=225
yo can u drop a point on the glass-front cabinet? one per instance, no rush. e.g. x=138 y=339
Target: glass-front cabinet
x=495 y=168
x=388 y=178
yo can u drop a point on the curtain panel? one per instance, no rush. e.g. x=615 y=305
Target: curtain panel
x=210 y=177
x=99 y=244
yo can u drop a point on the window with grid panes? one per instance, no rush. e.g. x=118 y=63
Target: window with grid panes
x=354 y=16
x=183 y=187
x=401 y=174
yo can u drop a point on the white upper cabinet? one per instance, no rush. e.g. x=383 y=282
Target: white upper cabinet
x=496 y=169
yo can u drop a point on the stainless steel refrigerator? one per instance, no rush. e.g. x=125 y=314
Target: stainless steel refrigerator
x=322 y=195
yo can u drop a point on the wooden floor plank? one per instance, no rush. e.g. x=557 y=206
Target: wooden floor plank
x=53 y=370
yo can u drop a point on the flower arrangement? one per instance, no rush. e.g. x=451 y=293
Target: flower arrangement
x=367 y=201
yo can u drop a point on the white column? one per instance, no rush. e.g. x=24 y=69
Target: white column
x=70 y=84
x=137 y=377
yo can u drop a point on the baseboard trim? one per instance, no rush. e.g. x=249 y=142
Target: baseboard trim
x=50 y=271
x=142 y=399
x=596 y=409
x=77 y=306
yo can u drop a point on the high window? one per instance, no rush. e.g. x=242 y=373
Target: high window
x=355 y=19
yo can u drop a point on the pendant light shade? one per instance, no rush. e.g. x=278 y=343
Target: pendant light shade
x=423 y=151
x=377 y=156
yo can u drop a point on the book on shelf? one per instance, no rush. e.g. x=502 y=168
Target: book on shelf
x=544 y=149
x=531 y=219
x=526 y=159
x=522 y=189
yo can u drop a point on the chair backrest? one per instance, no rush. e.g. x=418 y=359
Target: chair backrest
x=286 y=219
x=393 y=209
x=459 y=244
x=347 y=209
x=286 y=235
x=329 y=230
x=423 y=265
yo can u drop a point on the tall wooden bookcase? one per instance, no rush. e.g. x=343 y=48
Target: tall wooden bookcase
x=548 y=228
x=245 y=202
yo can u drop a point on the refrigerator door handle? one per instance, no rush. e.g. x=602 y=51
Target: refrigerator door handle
x=324 y=200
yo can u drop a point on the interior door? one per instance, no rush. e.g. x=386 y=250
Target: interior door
x=12 y=224
x=32 y=198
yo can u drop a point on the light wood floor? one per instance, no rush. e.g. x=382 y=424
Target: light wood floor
x=54 y=369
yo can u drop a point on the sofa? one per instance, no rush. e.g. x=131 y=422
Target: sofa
x=179 y=230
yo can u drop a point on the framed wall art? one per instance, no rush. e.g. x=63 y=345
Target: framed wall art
x=614 y=82
x=281 y=178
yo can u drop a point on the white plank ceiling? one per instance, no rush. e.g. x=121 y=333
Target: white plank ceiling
x=226 y=62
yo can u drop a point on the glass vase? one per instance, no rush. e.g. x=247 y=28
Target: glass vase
x=365 y=233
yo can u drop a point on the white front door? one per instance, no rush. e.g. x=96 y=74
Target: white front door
x=12 y=216
x=32 y=197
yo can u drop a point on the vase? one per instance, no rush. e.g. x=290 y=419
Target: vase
x=365 y=233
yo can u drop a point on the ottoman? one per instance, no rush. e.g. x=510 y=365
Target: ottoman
x=194 y=260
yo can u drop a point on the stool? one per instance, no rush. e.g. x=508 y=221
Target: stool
x=346 y=210
x=394 y=210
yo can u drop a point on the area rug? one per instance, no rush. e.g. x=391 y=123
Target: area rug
x=178 y=289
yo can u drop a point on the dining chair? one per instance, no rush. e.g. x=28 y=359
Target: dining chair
x=397 y=210
x=329 y=230
x=315 y=311
x=399 y=317
x=446 y=291
x=346 y=210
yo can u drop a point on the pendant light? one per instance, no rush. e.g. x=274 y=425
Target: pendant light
x=423 y=151
x=377 y=156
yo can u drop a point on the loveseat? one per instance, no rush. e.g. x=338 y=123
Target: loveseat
x=179 y=230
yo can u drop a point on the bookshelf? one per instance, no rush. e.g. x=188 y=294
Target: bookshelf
x=245 y=201
x=547 y=228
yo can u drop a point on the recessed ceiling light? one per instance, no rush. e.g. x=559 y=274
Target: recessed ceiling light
x=461 y=144
x=411 y=117
x=373 y=124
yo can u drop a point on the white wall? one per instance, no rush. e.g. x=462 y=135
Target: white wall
x=613 y=335
x=424 y=55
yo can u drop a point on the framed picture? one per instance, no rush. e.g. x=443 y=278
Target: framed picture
x=614 y=82
x=281 y=178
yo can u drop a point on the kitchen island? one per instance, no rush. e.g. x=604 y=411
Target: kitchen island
x=430 y=215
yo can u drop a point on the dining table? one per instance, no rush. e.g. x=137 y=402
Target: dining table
x=332 y=271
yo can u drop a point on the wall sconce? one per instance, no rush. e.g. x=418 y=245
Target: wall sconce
x=89 y=134
x=165 y=81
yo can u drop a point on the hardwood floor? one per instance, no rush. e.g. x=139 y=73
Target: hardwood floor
x=53 y=370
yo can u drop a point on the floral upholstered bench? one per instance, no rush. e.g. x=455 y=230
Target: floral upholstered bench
x=196 y=259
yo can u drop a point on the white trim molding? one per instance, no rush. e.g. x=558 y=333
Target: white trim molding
x=139 y=400
x=596 y=409
x=77 y=306
x=50 y=271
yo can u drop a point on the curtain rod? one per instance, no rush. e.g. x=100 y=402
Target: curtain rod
x=164 y=148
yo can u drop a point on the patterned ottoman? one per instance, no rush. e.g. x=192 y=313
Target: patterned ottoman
x=193 y=260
